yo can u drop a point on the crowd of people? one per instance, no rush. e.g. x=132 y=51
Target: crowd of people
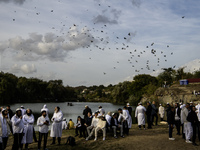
x=187 y=117
x=181 y=116
x=21 y=124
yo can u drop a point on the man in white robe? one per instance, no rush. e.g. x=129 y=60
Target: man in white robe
x=140 y=114
x=28 y=120
x=18 y=128
x=161 y=112
x=4 y=128
x=43 y=122
x=128 y=120
x=56 y=129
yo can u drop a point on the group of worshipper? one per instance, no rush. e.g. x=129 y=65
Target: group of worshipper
x=92 y=123
x=186 y=116
x=151 y=111
x=21 y=124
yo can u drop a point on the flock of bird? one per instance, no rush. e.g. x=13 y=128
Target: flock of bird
x=100 y=38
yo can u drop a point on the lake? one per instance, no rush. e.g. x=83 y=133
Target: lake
x=69 y=112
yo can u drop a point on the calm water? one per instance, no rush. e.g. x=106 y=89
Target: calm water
x=69 y=112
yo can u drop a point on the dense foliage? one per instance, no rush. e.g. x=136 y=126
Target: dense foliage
x=20 y=89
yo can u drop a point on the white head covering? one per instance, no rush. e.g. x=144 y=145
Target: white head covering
x=43 y=110
x=18 y=109
x=45 y=106
x=128 y=104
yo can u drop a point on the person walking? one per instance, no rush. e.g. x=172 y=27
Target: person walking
x=140 y=115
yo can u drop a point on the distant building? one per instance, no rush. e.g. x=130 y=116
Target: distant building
x=189 y=81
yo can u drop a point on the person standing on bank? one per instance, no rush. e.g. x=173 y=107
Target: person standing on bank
x=56 y=128
x=148 y=113
x=161 y=112
x=127 y=120
x=154 y=113
x=187 y=125
x=28 y=120
x=177 y=118
x=171 y=121
x=18 y=127
x=43 y=122
x=192 y=117
x=129 y=108
x=4 y=129
x=140 y=114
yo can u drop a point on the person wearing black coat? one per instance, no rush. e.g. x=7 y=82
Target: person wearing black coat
x=177 y=118
x=115 y=125
x=148 y=113
x=171 y=121
x=80 y=126
x=85 y=112
x=192 y=117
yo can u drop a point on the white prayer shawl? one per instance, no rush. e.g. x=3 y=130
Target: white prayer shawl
x=108 y=119
x=102 y=111
x=198 y=111
x=17 y=124
x=121 y=118
x=140 y=114
x=56 y=128
x=128 y=118
x=161 y=111
x=64 y=125
x=23 y=111
x=43 y=128
x=28 y=129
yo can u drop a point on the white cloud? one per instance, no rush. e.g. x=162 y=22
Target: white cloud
x=192 y=66
x=49 y=46
x=26 y=69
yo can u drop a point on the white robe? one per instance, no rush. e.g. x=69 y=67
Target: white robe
x=43 y=128
x=161 y=111
x=64 y=125
x=140 y=114
x=128 y=118
x=56 y=128
x=28 y=129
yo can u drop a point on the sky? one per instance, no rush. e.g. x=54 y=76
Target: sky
x=95 y=42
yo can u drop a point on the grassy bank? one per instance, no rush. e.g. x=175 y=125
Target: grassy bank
x=153 y=139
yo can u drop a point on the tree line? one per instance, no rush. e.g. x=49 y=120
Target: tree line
x=15 y=89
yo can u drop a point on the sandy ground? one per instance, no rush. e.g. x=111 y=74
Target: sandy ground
x=152 y=139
